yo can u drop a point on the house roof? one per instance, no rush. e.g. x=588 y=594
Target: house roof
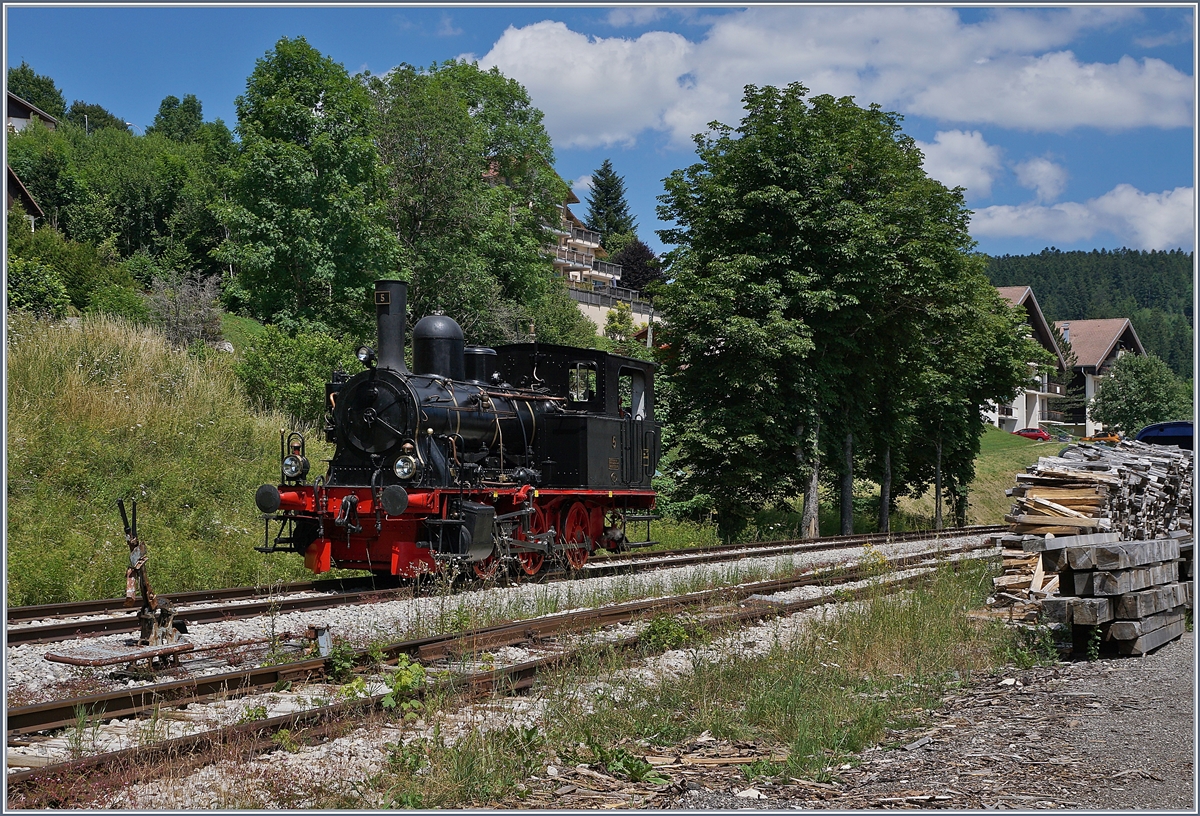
x=1023 y=296
x=18 y=192
x=29 y=106
x=1094 y=341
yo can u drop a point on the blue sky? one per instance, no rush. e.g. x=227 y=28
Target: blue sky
x=1070 y=127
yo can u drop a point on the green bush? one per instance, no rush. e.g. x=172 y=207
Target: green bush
x=119 y=301
x=35 y=287
x=288 y=374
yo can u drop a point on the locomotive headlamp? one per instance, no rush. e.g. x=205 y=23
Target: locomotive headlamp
x=365 y=355
x=405 y=467
x=295 y=466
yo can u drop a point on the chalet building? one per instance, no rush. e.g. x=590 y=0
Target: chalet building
x=18 y=113
x=593 y=282
x=1097 y=344
x=1031 y=406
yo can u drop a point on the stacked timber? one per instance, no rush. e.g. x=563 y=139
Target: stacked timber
x=1140 y=491
x=1130 y=594
x=1025 y=582
x=1089 y=495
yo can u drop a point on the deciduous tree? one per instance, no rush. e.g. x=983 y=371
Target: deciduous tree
x=1139 y=391
x=306 y=215
x=37 y=89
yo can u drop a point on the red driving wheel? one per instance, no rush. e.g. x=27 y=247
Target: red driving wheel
x=485 y=570
x=532 y=562
x=575 y=538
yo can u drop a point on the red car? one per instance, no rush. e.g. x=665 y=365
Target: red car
x=1033 y=433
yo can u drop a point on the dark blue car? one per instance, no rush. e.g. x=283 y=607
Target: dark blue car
x=1178 y=434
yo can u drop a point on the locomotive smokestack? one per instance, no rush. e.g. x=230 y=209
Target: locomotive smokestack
x=391 y=298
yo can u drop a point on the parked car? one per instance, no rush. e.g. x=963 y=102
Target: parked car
x=1105 y=437
x=1178 y=434
x=1033 y=433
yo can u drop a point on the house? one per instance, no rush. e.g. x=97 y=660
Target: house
x=1096 y=344
x=577 y=254
x=1031 y=406
x=18 y=114
x=18 y=192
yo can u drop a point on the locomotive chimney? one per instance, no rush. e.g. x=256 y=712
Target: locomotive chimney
x=391 y=298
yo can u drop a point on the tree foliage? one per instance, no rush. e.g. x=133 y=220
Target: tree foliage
x=469 y=191
x=178 y=120
x=608 y=211
x=822 y=292
x=640 y=267
x=92 y=117
x=1139 y=391
x=37 y=89
x=306 y=218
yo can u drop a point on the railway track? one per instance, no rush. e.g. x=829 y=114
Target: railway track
x=718 y=608
x=109 y=616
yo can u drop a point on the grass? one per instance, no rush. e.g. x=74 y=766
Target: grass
x=240 y=331
x=817 y=699
x=1002 y=455
x=105 y=411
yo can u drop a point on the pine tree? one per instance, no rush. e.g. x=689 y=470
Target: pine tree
x=608 y=212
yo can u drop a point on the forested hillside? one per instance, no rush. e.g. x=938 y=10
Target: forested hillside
x=1153 y=289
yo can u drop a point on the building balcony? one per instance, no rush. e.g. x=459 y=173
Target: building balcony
x=585 y=237
x=1051 y=416
x=573 y=259
x=611 y=270
x=1004 y=411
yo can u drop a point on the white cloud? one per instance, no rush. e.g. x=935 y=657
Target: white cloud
x=593 y=91
x=1043 y=176
x=447 y=28
x=1011 y=69
x=957 y=158
x=1139 y=220
x=582 y=184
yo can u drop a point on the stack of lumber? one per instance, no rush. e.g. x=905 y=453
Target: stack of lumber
x=1023 y=585
x=1089 y=495
x=1132 y=590
x=1139 y=491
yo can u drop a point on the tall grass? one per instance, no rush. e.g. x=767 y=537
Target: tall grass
x=104 y=410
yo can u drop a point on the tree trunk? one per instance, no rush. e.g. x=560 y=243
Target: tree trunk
x=885 y=492
x=847 y=498
x=937 y=488
x=809 y=522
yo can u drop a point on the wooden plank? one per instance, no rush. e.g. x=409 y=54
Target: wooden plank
x=1118 y=582
x=1151 y=641
x=1091 y=611
x=1057 y=610
x=1080 y=523
x=1039 y=576
x=1132 y=630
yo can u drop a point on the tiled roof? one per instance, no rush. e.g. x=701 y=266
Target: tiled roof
x=1093 y=341
x=1023 y=296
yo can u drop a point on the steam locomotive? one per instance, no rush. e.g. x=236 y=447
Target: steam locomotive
x=478 y=460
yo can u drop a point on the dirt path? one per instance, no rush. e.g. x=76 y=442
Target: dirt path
x=1114 y=734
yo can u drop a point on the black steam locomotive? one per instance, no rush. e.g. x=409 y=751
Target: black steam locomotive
x=478 y=458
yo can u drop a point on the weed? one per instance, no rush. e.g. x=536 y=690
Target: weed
x=81 y=736
x=1031 y=647
x=355 y=689
x=253 y=713
x=340 y=662
x=403 y=685
x=1093 y=644
x=375 y=655
x=283 y=738
x=620 y=763
x=666 y=632
x=761 y=768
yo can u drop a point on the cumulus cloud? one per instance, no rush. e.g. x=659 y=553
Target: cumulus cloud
x=1139 y=220
x=958 y=158
x=1042 y=176
x=1012 y=68
x=594 y=91
x=582 y=184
